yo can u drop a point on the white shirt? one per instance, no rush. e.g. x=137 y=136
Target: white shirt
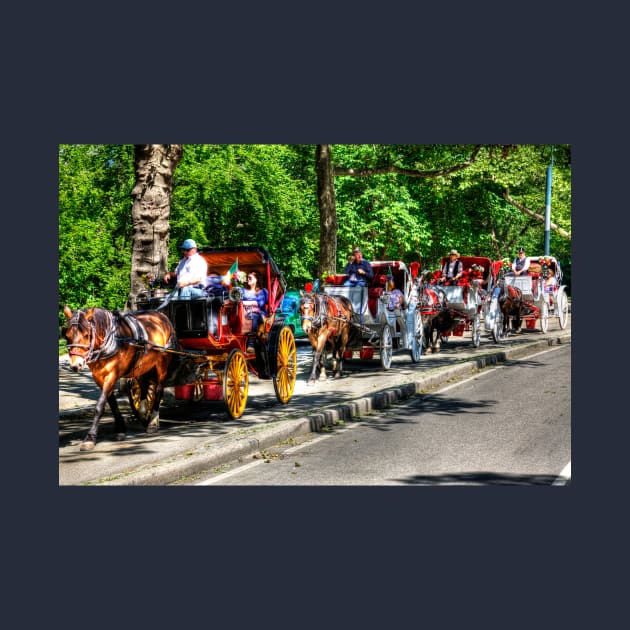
x=191 y=268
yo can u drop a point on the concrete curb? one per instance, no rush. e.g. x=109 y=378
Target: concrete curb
x=232 y=447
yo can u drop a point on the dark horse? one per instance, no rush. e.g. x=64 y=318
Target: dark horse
x=117 y=345
x=327 y=320
x=433 y=310
x=511 y=305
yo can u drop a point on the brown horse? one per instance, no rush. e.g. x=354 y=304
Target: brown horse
x=327 y=321
x=120 y=345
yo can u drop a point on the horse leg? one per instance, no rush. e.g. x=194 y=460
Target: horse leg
x=119 y=421
x=517 y=322
x=89 y=440
x=322 y=365
x=154 y=419
x=317 y=357
x=107 y=395
x=436 y=343
x=341 y=346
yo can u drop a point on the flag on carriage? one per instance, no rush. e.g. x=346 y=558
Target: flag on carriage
x=227 y=278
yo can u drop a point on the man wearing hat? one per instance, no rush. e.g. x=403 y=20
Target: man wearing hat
x=359 y=271
x=452 y=269
x=521 y=263
x=191 y=272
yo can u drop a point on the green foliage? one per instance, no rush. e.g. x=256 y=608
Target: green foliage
x=267 y=195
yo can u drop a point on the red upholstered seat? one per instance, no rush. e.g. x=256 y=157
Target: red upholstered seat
x=337 y=280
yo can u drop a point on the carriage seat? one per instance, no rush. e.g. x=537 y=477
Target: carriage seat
x=337 y=280
x=213 y=308
x=374 y=294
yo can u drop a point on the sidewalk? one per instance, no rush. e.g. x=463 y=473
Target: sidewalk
x=194 y=437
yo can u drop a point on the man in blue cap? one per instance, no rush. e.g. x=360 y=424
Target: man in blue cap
x=191 y=272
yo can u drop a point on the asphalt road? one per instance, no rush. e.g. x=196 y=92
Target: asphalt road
x=194 y=439
x=508 y=425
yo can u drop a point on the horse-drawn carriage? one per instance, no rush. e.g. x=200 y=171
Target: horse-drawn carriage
x=463 y=304
x=380 y=323
x=528 y=298
x=218 y=338
x=203 y=347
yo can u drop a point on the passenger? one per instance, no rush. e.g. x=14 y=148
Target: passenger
x=452 y=269
x=359 y=271
x=396 y=297
x=255 y=293
x=520 y=266
x=550 y=284
x=191 y=272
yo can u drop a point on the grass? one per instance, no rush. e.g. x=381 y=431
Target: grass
x=62 y=347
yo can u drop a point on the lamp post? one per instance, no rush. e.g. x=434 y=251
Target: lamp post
x=548 y=204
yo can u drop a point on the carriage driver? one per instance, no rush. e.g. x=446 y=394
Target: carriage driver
x=453 y=268
x=520 y=265
x=359 y=271
x=191 y=272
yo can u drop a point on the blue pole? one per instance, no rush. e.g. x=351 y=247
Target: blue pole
x=548 y=204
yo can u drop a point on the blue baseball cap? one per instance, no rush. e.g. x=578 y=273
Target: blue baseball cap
x=188 y=244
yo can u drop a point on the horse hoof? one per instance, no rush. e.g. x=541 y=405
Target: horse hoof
x=87 y=445
x=153 y=428
x=121 y=436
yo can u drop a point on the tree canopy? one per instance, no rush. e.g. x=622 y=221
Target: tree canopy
x=396 y=201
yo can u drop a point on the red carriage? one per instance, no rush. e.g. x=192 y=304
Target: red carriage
x=218 y=344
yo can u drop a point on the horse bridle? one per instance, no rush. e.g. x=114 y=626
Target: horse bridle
x=108 y=347
x=316 y=317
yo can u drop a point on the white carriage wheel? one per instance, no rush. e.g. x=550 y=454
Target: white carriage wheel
x=417 y=338
x=544 y=317
x=562 y=304
x=386 y=349
x=497 y=330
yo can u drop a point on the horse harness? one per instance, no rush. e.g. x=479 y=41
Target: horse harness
x=319 y=311
x=111 y=340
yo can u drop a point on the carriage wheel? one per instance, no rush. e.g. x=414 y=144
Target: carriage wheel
x=286 y=370
x=417 y=338
x=498 y=331
x=544 y=317
x=562 y=304
x=142 y=397
x=386 y=349
x=476 y=330
x=235 y=383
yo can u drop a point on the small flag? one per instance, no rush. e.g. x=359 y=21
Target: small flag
x=227 y=278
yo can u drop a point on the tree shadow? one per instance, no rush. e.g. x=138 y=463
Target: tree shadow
x=480 y=479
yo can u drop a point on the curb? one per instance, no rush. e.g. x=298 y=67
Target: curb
x=229 y=448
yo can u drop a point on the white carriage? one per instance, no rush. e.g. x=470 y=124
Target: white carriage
x=466 y=302
x=542 y=299
x=377 y=327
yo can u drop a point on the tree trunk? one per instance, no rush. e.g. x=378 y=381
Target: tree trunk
x=327 y=210
x=154 y=165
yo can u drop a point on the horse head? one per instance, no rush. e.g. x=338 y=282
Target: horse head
x=307 y=309
x=80 y=337
x=85 y=332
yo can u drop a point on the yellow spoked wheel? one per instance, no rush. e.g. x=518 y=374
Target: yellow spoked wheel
x=142 y=397
x=235 y=383
x=286 y=370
